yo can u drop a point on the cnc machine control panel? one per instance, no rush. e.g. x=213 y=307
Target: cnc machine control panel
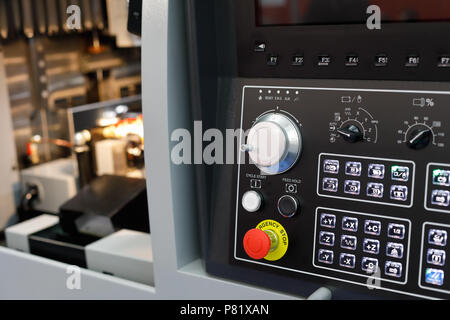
x=349 y=185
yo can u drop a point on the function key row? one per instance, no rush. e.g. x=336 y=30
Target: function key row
x=351 y=60
x=375 y=170
x=373 y=190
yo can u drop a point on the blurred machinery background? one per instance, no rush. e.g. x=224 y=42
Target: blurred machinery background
x=51 y=68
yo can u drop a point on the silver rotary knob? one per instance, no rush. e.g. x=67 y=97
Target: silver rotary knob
x=274 y=143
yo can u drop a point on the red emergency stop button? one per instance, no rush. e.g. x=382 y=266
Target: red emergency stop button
x=257 y=244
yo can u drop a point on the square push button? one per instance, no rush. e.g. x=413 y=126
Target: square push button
x=412 y=61
x=351 y=60
x=331 y=166
x=437 y=237
x=381 y=60
x=444 y=61
x=298 y=60
x=348 y=242
x=441 y=178
x=273 y=60
x=399 y=173
x=440 y=198
x=328 y=220
x=353 y=169
x=436 y=257
x=330 y=184
x=375 y=190
x=350 y=224
x=372 y=227
x=396 y=231
x=399 y=193
x=394 y=250
x=376 y=171
x=352 y=187
x=371 y=246
x=393 y=269
x=324 y=61
x=434 y=276
x=347 y=260
x=259 y=46
x=326 y=238
x=326 y=256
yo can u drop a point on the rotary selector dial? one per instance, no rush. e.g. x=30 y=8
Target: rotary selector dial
x=354 y=125
x=422 y=133
x=274 y=143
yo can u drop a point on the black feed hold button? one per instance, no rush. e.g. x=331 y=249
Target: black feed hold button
x=288 y=206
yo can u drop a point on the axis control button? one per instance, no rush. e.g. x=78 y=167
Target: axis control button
x=328 y=220
x=347 y=260
x=326 y=256
x=371 y=246
x=372 y=227
x=252 y=201
x=350 y=224
x=369 y=265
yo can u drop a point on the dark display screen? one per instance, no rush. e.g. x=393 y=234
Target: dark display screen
x=317 y=12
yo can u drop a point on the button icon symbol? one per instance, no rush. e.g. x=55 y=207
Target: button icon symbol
x=441 y=178
x=399 y=173
x=348 y=242
x=440 y=198
x=394 y=250
x=375 y=190
x=330 y=184
x=353 y=169
x=376 y=171
x=436 y=257
x=399 y=193
x=396 y=231
x=331 y=166
x=434 y=276
x=437 y=237
x=352 y=187
x=393 y=269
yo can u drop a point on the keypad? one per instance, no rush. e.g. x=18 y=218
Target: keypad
x=434 y=265
x=383 y=181
x=380 y=245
